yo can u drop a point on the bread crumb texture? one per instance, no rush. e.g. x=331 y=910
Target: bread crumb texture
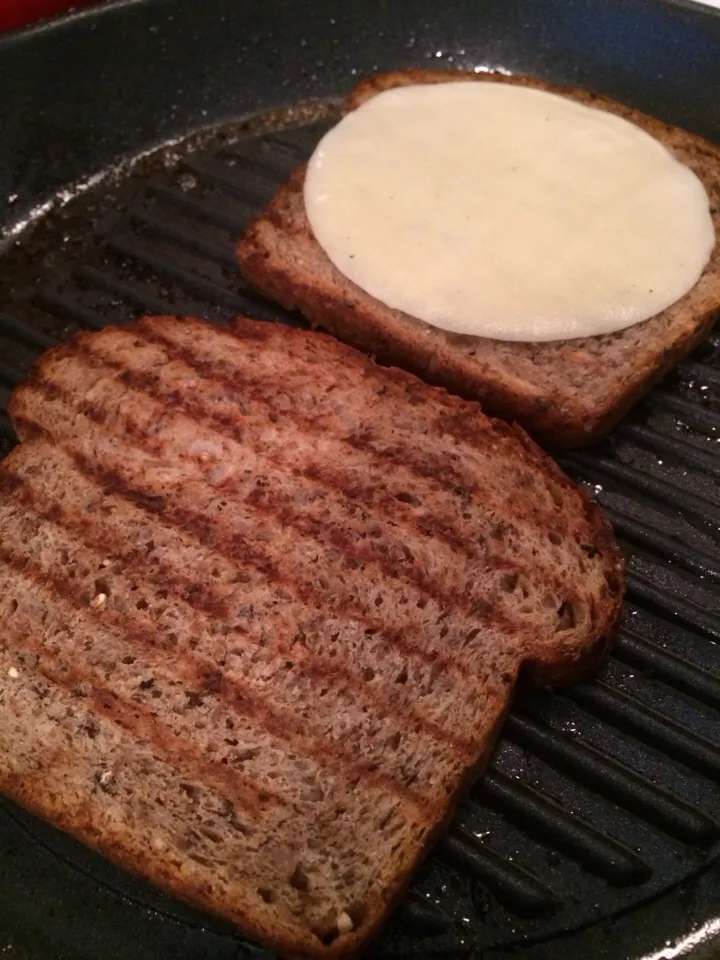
x=268 y=603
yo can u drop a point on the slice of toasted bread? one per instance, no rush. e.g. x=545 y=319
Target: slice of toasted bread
x=263 y=606
x=565 y=393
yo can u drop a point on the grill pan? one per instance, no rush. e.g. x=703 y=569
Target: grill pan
x=137 y=141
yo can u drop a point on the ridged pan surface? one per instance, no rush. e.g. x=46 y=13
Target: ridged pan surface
x=596 y=827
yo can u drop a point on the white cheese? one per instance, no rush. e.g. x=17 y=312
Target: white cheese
x=501 y=211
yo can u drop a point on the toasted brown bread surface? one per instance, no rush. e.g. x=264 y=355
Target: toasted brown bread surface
x=263 y=606
x=565 y=393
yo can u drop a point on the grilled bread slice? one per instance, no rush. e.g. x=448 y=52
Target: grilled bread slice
x=263 y=606
x=565 y=393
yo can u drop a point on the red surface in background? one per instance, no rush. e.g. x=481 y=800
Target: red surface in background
x=18 y=13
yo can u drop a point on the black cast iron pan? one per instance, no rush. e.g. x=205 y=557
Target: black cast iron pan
x=135 y=143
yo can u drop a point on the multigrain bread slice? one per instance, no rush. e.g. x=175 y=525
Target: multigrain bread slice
x=263 y=606
x=565 y=393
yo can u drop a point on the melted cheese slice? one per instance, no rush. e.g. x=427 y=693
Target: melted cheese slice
x=500 y=211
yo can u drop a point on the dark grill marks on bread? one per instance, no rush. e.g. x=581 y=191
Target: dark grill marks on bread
x=298 y=511
x=567 y=392
x=239 y=548
x=266 y=604
x=119 y=795
x=292 y=664
x=358 y=457
x=298 y=780
x=185 y=754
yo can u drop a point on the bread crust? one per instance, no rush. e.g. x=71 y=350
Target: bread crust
x=567 y=393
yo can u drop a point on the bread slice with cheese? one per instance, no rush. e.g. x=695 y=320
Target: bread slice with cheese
x=565 y=393
x=263 y=606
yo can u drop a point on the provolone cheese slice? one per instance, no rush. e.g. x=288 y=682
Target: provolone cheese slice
x=501 y=211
